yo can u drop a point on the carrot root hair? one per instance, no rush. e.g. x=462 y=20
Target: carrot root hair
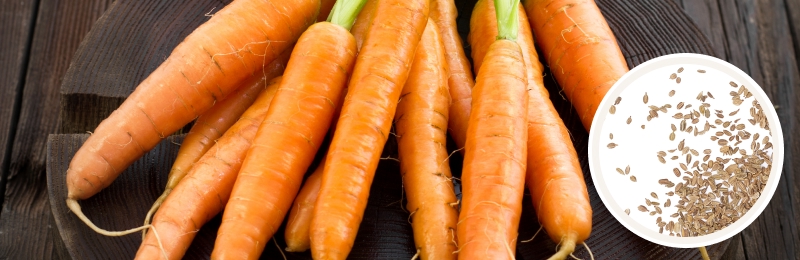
x=567 y=246
x=703 y=253
x=73 y=205
x=152 y=211
x=534 y=235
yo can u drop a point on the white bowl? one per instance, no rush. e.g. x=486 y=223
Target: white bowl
x=638 y=147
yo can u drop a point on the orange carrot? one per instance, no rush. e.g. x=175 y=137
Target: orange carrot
x=460 y=81
x=297 y=228
x=363 y=22
x=381 y=71
x=494 y=163
x=580 y=48
x=325 y=8
x=207 y=186
x=214 y=123
x=421 y=123
x=236 y=42
x=553 y=167
x=286 y=142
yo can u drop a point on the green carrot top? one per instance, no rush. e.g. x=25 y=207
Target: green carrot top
x=345 y=11
x=507 y=14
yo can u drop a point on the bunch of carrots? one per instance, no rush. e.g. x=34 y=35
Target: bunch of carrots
x=265 y=81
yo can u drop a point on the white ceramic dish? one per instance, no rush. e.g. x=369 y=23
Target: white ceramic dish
x=637 y=147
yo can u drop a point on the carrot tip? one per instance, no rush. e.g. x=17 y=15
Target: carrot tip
x=567 y=247
x=156 y=206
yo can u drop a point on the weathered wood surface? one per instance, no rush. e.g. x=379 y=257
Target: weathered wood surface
x=758 y=36
x=26 y=224
x=761 y=38
x=16 y=28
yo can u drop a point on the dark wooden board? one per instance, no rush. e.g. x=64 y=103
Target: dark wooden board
x=760 y=37
x=132 y=38
x=16 y=28
x=26 y=225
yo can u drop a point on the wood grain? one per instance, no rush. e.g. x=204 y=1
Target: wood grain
x=126 y=46
x=16 y=28
x=26 y=224
x=760 y=37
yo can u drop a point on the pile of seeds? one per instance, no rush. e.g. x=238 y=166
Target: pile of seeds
x=714 y=191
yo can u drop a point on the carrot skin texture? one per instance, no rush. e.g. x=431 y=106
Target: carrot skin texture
x=236 y=42
x=207 y=186
x=363 y=128
x=286 y=142
x=493 y=176
x=325 y=8
x=363 y=22
x=212 y=124
x=421 y=125
x=554 y=174
x=299 y=223
x=460 y=80
x=580 y=49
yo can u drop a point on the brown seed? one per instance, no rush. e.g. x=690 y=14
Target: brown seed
x=629 y=120
x=654 y=195
x=671 y=92
x=733 y=84
x=642 y=126
x=611 y=145
x=612 y=110
x=668 y=203
x=661 y=159
x=674 y=158
x=701 y=71
x=709 y=94
x=734 y=112
x=633 y=178
x=673 y=76
x=628 y=169
x=680 y=70
x=627 y=211
x=616 y=102
x=676 y=172
x=678 y=80
x=610 y=136
x=672 y=136
x=642 y=208
x=645 y=98
x=620 y=171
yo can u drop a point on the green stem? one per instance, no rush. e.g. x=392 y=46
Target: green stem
x=345 y=11
x=507 y=13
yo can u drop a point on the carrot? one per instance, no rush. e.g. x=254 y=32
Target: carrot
x=325 y=8
x=363 y=22
x=291 y=134
x=460 y=79
x=554 y=174
x=207 y=186
x=580 y=48
x=421 y=123
x=494 y=162
x=235 y=43
x=363 y=128
x=214 y=123
x=297 y=228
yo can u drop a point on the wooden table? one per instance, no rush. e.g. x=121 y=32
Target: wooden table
x=39 y=37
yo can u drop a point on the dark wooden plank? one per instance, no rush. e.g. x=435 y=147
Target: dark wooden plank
x=760 y=37
x=706 y=14
x=16 y=28
x=26 y=222
x=735 y=250
x=132 y=42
